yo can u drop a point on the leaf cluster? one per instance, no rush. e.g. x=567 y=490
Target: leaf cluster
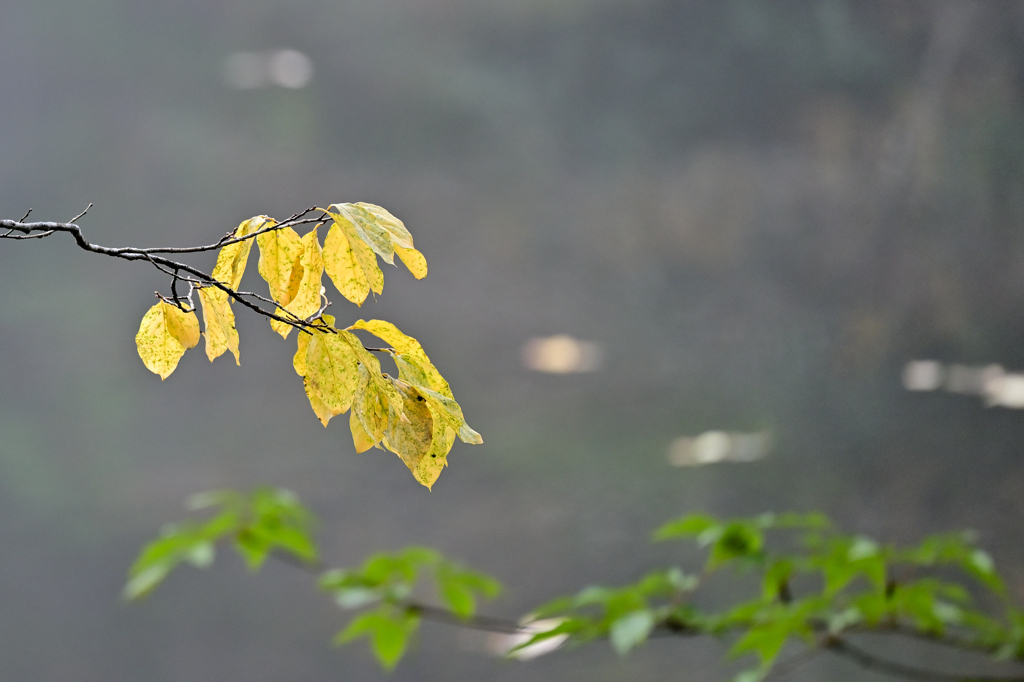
x=387 y=582
x=272 y=523
x=414 y=415
x=257 y=525
x=800 y=583
x=817 y=585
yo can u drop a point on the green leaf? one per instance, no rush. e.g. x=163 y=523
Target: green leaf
x=737 y=540
x=766 y=640
x=686 y=526
x=389 y=631
x=143 y=581
x=631 y=629
x=459 y=587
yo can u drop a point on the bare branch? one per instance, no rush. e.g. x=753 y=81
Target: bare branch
x=173 y=269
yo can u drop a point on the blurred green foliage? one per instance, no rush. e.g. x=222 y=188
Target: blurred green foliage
x=817 y=586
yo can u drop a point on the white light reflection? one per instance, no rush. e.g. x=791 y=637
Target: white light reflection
x=502 y=644
x=561 y=354
x=286 y=68
x=996 y=386
x=719 y=446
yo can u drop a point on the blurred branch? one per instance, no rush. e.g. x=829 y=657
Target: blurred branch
x=669 y=627
x=871 y=661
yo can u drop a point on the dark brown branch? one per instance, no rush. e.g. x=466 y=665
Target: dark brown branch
x=173 y=269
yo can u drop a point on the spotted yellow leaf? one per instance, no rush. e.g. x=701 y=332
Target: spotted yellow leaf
x=408 y=346
x=410 y=428
x=306 y=300
x=299 y=360
x=369 y=230
x=360 y=439
x=362 y=253
x=343 y=268
x=221 y=334
x=232 y=258
x=332 y=373
x=369 y=408
x=400 y=236
x=279 y=263
x=183 y=326
x=413 y=260
x=162 y=337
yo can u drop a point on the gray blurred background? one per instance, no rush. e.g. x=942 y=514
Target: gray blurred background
x=748 y=217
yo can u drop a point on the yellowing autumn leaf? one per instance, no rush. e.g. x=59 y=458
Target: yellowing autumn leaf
x=306 y=300
x=361 y=258
x=401 y=238
x=413 y=260
x=407 y=346
x=399 y=234
x=332 y=373
x=163 y=337
x=369 y=230
x=370 y=410
x=410 y=428
x=221 y=334
x=360 y=439
x=232 y=258
x=279 y=263
x=430 y=466
x=299 y=360
x=182 y=325
x=449 y=411
x=343 y=268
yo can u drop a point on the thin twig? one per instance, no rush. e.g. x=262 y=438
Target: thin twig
x=77 y=217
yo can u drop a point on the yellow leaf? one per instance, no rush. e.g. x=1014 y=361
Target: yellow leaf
x=368 y=407
x=399 y=234
x=361 y=441
x=232 y=258
x=410 y=428
x=386 y=391
x=183 y=326
x=159 y=349
x=401 y=239
x=307 y=295
x=320 y=408
x=221 y=334
x=332 y=372
x=361 y=251
x=369 y=230
x=413 y=260
x=342 y=267
x=299 y=361
x=436 y=459
x=279 y=263
x=443 y=437
x=408 y=346
x=449 y=411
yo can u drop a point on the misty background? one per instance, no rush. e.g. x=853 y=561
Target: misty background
x=755 y=214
